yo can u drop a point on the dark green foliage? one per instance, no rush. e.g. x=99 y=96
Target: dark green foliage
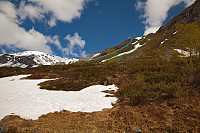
x=65 y=85
x=10 y=71
x=156 y=78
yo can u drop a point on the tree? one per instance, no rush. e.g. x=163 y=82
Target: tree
x=189 y=38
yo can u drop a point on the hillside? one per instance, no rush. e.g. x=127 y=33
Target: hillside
x=162 y=42
x=159 y=88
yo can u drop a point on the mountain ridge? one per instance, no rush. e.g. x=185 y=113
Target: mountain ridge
x=157 y=92
x=160 y=40
x=32 y=59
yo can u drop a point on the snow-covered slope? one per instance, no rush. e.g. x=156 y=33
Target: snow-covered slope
x=32 y=59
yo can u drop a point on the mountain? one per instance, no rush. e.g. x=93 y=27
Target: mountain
x=162 y=43
x=189 y=15
x=157 y=92
x=126 y=47
x=32 y=59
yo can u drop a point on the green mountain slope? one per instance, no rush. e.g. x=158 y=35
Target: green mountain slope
x=162 y=42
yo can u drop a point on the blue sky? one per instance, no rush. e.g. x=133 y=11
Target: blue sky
x=76 y=28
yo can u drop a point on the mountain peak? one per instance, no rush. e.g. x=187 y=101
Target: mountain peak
x=32 y=59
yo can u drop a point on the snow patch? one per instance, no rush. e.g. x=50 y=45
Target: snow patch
x=185 y=53
x=163 y=41
x=24 y=98
x=97 y=54
x=136 y=47
x=138 y=38
x=175 y=32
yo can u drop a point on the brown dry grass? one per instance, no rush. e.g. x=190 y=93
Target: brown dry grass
x=176 y=109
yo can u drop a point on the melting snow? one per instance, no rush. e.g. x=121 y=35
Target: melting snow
x=185 y=53
x=136 y=47
x=138 y=38
x=24 y=98
x=95 y=55
x=175 y=32
x=163 y=41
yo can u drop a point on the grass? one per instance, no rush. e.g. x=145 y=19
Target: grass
x=155 y=95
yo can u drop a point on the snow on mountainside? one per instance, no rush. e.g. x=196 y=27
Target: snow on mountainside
x=32 y=59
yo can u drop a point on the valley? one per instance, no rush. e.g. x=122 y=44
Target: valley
x=155 y=85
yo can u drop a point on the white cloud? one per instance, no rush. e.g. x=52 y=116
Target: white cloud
x=155 y=12
x=83 y=54
x=31 y=11
x=151 y=29
x=54 y=40
x=52 y=22
x=75 y=42
x=189 y=2
x=8 y=9
x=139 y=5
x=13 y=36
x=63 y=10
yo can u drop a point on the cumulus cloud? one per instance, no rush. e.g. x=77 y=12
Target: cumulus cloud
x=30 y=11
x=62 y=10
x=83 y=53
x=189 y=2
x=52 y=22
x=54 y=40
x=75 y=42
x=15 y=37
x=8 y=9
x=155 y=12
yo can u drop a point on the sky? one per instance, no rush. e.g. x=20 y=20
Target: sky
x=77 y=28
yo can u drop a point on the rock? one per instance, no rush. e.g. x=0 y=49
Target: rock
x=101 y=82
x=109 y=80
x=115 y=76
x=26 y=60
x=106 y=81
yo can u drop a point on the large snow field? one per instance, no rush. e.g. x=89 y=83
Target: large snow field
x=24 y=98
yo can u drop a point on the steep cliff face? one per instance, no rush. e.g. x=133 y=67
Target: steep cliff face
x=189 y=15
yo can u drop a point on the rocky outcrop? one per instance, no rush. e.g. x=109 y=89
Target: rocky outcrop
x=28 y=61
